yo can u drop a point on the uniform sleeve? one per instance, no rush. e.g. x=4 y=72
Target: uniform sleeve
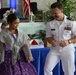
x=48 y=30
x=74 y=28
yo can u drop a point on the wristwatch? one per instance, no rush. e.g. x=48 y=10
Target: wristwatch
x=69 y=41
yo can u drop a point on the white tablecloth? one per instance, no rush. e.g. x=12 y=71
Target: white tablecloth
x=31 y=27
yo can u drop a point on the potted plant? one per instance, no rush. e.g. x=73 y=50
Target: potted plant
x=69 y=7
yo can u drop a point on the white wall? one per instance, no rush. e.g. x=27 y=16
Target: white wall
x=4 y=3
x=42 y=4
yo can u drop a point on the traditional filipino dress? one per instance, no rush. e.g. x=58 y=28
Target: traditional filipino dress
x=13 y=54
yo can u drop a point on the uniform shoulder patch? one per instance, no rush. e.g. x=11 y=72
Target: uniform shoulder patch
x=69 y=18
x=52 y=18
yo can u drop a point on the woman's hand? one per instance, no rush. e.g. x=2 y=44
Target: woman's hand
x=30 y=58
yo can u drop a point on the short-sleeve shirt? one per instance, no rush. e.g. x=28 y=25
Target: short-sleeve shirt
x=63 y=30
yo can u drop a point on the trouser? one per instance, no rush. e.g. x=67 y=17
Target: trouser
x=67 y=60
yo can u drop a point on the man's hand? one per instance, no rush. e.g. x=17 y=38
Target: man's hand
x=64 y=43
x=53 y=42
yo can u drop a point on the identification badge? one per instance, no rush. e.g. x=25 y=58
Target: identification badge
x=52 y=29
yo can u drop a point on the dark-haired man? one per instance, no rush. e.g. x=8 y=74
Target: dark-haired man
x=61 y=33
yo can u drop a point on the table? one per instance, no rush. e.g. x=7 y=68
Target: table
x=31 y=27
x=39 y=55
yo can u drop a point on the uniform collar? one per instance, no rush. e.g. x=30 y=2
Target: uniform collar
x=56 y=21
x=65 y=17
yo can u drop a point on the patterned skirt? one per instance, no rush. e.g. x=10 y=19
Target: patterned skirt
x=21 y=67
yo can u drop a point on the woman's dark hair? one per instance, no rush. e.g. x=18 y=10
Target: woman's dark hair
x=4 y=24
x=11 y=17
x=57 y=4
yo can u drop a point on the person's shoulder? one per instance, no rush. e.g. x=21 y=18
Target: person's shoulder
x=74 y=22
x=52 y=18
x=50 y=22
x=21 y=31
x=70 y=19
x=3 y=32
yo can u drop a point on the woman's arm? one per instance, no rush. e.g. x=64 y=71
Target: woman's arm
x=28 y=51
x=2 y=52
x=0 y=43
